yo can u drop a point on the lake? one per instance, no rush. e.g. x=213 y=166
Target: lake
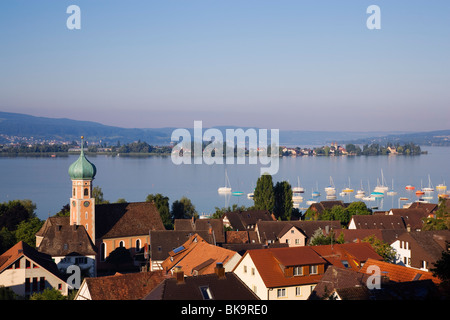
x=46 y=181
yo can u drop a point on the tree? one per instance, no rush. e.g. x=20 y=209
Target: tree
x=64 y=212
x=97 y=194
x=283 y=200
x=358 y=208
x=7 y=293
x=264 y=197
x=441 y=270
x=48 y=294
x=183 y=209
x=162 y=204
x=27 y=229
x=120 y=256
x=381 y=248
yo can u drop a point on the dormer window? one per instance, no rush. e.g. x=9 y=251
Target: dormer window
x=298 y=271
x=313 y=269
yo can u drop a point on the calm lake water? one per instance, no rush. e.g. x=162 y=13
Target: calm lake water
x=46 y=181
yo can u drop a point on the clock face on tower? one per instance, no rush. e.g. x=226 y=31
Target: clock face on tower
x=73 y=203
x=86 y=204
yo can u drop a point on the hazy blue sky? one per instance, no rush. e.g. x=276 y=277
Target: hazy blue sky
x=292 y=64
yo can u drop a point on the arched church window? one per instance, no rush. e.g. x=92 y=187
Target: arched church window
x=86 y=191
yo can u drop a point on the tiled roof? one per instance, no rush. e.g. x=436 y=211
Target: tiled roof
x=164 y=241
x=209 y=225
x=131 y=286
x=195 y=252
x=338 y=278
x=237 y=237
x=228 y=288
x=378 y=222
x=241 y=220
x=65 y=240
x=354 y=253
x=126 y=219
x=399 y=273
x=411 y=217
x=385 y=235
x=427 y=244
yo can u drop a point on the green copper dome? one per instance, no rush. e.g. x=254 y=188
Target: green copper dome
x=82 y=169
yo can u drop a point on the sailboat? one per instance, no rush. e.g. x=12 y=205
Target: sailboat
x=298 y=189
x=441 y=187
x=360 y=193
x=316 y=193
x=430 y=187
x=330 y=190
x=227 y=188
x=392 y=192
x=348 y=189
x=381 y=187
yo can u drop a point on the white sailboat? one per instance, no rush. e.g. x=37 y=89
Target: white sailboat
x=227 y=188
x=381 y=188
x=330 y=190
x=430 y=187
x=360 y=193
x=392 y=192
x=298 y=189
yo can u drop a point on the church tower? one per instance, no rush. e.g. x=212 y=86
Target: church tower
x=82 y=204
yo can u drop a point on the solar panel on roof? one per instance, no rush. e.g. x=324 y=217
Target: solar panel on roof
x=176 y=250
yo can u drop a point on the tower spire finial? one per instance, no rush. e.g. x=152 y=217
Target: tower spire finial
x=82 y=144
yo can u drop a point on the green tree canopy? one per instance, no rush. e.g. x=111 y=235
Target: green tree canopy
x=162 y=204
x=183 y=209
x=264 y=197
x=283 y=200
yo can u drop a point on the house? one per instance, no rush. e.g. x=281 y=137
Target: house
x=421 y=249
x=67 y=245
x=245 y=220
x=164 y=241
x=219 y=285
x=197 y=257
x=392 y=222
x=130 y=286
x=213 y=226
x=26 y=271
x=294 y=233
x=281 y=273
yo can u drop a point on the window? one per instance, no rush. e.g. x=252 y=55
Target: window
x=254 y=288
x=121 y=244
x=253 y=271
x=298 y=291
x=206 y=293
x=297 y=241
x=245 y=269
x=35 y=284
x=288 y=241
x=292 y=231
x=313 y=269
x=345 y=263
x=298 y=271
x=74 y=192
x=27 y=264
x=281 y=293
x=86 y=191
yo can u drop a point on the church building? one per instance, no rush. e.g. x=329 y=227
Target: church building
x=93 y=231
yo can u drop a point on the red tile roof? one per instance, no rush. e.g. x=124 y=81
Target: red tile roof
x=399 y=273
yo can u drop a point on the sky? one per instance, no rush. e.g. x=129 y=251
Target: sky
x=275 y=64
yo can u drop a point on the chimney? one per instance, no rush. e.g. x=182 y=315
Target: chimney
x=179 y=274
x=220 y=270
